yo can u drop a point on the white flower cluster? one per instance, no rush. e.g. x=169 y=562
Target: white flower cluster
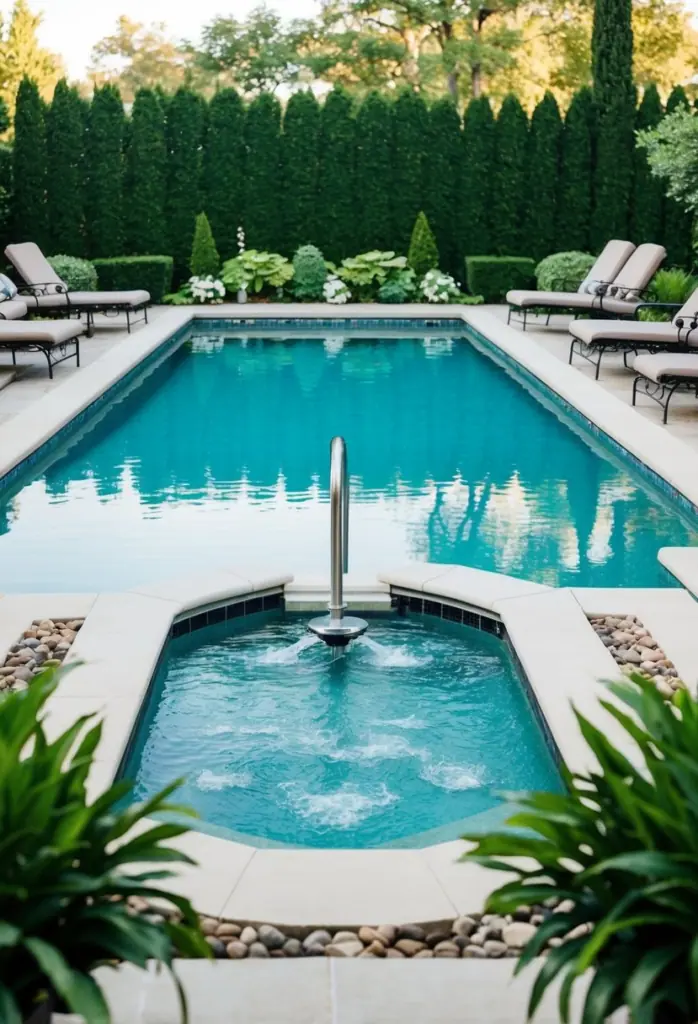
x=241 y=239
x=438 y=287
x=335 y=291
x=206 y=289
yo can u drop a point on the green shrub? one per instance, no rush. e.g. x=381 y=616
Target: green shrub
x=674 y=286
x=393 y=292
x=204 y=255
x=79 y=275
x=563 y=271
x=617 y=851
x=309 y=274
x=423 y=253
x=70 y=864
x=366 y=273
x=122 y=273
x=493 y=276
x=255 y=271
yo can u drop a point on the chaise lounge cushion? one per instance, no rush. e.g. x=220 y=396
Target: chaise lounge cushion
x=599 y=332
x=667 y=364
x=564 y=300
x=85 y=300
x=12 y=309
x=43 y=332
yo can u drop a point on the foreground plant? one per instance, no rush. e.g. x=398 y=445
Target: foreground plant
x=619 y=850
x=674 y=287
x=366 y=273
x=258 y=270
x=69 y=867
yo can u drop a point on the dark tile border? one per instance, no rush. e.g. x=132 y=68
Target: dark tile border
x=197 y=620
x=449 y=612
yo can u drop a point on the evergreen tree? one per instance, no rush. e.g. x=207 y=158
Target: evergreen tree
x=509 y=179
x=146 y=177
x=647 y=213
x=300 y=169
x=544 y=142
x=29 y=167
x=576 y=174
x=185 y=129
x=476 y=183
x=204 y=260
x=423 y=253
x=65 y=135
x=104 y=192
x=442 y=200
x=21 y=56
x=6 y=192
x=224 y=169
x=410 y=120
x=612 y=65
x=374 y=168
x=677 y=222
x=264 y=183
x=335 y=215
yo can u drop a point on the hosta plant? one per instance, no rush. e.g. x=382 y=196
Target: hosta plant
x=69 y=867
x=258 y=269
x=365 y=273
x=619 y=851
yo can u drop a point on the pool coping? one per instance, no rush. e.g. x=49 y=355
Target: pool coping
x=301 y=886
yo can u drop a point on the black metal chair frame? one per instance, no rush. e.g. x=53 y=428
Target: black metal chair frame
x=662 y=391
x=605 y=289
x=49 y=350
x=72 y=308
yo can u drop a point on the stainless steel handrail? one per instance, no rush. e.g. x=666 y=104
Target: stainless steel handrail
x=339 y=526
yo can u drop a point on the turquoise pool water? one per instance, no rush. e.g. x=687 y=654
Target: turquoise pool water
x=397 y=741
x=220 y=458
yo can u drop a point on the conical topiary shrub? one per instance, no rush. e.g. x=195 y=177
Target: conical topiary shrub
x=423 y=254
x=204 y=255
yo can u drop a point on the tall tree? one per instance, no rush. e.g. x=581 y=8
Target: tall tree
x=146 y=177
x=677 y=222
x=612 y=65
x=476 y=183
x=185 y=130
x=335 y=216
x=374 y=169
x=576 y=173
x=21 y=56
x=300 y=169
x=224 y=169
x=544 y=142
x=509 y=179
x=410 y=122
x=263 y=183
x=442 y=200
x=647 y=219
x=29 y=168
x=104 y=159
x=138 y=56
x=65 y=137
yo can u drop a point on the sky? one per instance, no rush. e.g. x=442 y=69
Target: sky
x=72 y=27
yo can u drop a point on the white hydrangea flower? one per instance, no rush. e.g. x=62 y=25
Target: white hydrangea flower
x=335 y=291
x=207 y=289
x=438 y=287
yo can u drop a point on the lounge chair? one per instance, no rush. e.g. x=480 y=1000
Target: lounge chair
x=57 y=339
x=607 y=266
x=12 y=309
x=660 y=376
x=43 y=290
x=592 y=338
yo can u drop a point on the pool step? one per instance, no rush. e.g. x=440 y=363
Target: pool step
x=310 y=593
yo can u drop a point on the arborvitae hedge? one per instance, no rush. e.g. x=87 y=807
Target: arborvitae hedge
x=576 y=174
x=509 y=180
x=374 y=171
x=104 y=192
x=476 y=178
x=335 y=210
x=677 y=222
x=544 y=144
x=146 y=177
x=442 y=195
x=410 y=120
x=647 y=219
x=299 y=169
x=612 y=64
x=29 y=167
x=64 y=149
x=185 y=128
x=265 y=194
x=224 y=169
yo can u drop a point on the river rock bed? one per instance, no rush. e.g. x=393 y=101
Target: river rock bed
x=635 y=650
x=471 y=936
x=44 y=645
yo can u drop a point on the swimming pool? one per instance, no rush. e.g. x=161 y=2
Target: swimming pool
x=403 y=738
x=220 y=459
